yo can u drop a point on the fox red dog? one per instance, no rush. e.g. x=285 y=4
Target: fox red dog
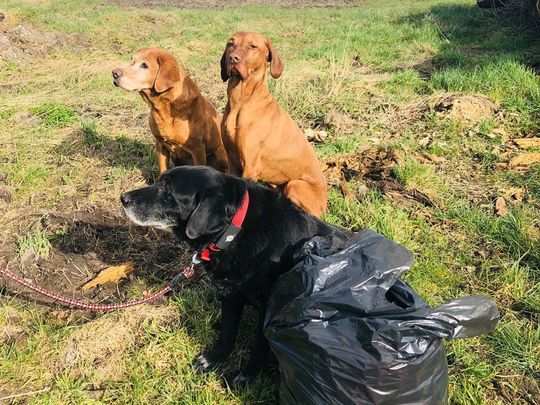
x=186 y=126
x=262 y=141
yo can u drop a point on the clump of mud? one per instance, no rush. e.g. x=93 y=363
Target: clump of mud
x=372 y=164
x=24 y=42
x=373 y=168
x=468 y=108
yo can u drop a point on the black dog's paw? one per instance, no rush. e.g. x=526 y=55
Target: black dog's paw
x=242 y=379
x=203 y=364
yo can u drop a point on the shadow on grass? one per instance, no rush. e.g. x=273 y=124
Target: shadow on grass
x=122 y=152
x=157 y=255
x=473 y=38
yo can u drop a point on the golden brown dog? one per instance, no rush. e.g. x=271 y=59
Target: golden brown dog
x=261 y=139
x=186 y=126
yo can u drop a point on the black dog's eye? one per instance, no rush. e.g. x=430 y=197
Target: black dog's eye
x=144 y=66
x=167 y=198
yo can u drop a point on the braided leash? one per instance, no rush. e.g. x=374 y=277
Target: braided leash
x=177 y=280
x=204 y=255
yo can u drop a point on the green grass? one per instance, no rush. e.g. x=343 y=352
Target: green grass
x=35 y=242
x=71 y=143
x=54 y=115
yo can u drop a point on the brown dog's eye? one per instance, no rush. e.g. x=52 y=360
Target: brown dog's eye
x=144 y=66
x=254 y=46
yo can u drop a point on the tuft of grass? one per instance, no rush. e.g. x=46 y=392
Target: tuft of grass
x=509 y=233
x=35 y=242
x=90 y=133
x=54 y=115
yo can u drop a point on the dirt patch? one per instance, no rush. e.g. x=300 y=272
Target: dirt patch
x=372 y=167
x=215 y=4
x=339 y=121
x=24 y=42
x=12 y=329
x=83 y=244
x=468 y=108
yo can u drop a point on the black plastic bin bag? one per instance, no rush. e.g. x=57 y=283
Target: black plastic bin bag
x=346 y=330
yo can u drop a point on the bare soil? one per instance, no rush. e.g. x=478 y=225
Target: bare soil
x=86 y=243
x=373 y=168
x=25 y=43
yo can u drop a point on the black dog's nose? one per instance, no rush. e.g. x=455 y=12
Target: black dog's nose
x=124 y=199
x=234 y=58
x=116 y=73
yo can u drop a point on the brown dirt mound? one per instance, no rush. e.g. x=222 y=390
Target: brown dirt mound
x=372 y=167
x=26 y=42
x=468 y=108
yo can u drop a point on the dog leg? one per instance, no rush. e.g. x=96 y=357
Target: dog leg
x=257 y=356
x=231 y=312
x=307 y=196
x=163 y=157
x=221 y=159
x=199 y=156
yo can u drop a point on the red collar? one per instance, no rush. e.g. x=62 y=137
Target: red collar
x=240 y=215
x=228 y=235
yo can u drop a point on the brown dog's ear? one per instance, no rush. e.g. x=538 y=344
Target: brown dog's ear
x=168 y=74
x=276 y=64
x=224 y=74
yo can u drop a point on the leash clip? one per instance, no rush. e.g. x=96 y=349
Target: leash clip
x=195 y=259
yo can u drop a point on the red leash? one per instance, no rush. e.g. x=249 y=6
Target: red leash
x=175 y=282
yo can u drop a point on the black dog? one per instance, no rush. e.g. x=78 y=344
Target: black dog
x=198 y=203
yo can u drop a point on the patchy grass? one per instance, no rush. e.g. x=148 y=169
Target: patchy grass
x=35 y=243
x=71 y=143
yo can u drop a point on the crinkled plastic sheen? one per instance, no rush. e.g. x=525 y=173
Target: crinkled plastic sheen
x=347 y=330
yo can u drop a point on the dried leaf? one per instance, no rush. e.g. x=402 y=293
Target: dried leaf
x=424 y=141
x=525 y=159
x=111 y=274
x=315 y=136
x=525 y=143
x=515 y=194
x=434 y=158
x=500 y=206
x=345 y=189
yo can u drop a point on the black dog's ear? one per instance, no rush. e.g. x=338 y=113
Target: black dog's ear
x=216 y=207
x=208 y=217
x=224 y=74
